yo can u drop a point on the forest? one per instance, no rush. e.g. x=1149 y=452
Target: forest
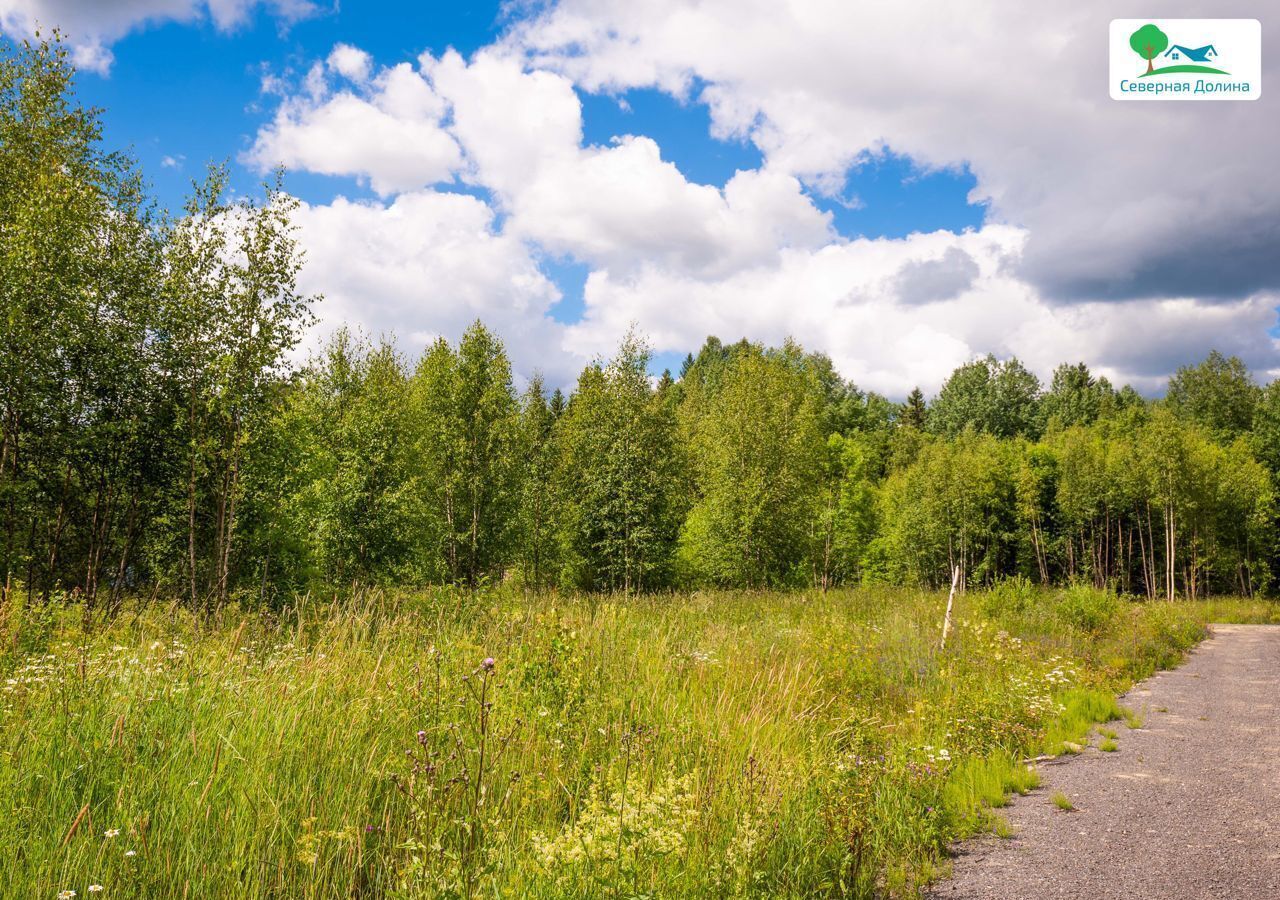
x=160 y=435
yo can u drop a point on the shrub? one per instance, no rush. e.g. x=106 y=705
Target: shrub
x=1087 y=609
x=1008 y=596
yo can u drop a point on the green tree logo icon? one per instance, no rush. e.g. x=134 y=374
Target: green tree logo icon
x=1149 y=42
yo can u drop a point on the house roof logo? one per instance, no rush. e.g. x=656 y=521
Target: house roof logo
x=1149 y=42
x=1184 y=59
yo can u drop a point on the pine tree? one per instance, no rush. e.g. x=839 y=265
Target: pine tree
x=914 y=412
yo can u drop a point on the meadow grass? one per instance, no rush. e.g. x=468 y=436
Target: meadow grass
x=497 y=744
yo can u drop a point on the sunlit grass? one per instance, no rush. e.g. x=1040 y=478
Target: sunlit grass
x=708 y=744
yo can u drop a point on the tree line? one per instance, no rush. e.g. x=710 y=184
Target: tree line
x=156 y=439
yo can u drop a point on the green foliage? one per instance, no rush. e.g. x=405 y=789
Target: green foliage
x=1148 y=42
x=619 y=478
x=951 y=508
x=1219 y=394
x=977 y=785
x=1265 y=437
x=914 y=412
x=538 y=516
x=1087 y=608
x=79 y=417
x=757 y=449
x=1008 y=596
x=1082 y=708
x=988 y=395
x=846 y=519
x=1075 y=397
x=26 y=627
x=466 y=435
x=350 y=487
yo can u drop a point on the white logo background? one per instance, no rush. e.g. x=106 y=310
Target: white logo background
x=1239 y=52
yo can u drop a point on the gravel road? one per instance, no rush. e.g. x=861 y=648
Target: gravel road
x=1188 y=807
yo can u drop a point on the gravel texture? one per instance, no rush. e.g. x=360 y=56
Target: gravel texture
x=1188 y=807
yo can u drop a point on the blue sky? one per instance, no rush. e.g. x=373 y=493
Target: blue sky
x=566 y=170
x=181 y=97
x=194 y=93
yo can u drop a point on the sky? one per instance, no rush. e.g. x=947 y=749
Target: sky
x=901 y=186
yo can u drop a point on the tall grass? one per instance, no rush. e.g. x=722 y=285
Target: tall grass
x=441 y=744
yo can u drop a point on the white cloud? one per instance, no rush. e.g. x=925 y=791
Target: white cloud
x=350 y=62
x=616 y=207
x=844 y=299
x=388 y=132
x=429 y=264
x=513 y=123
x=754 y=257
x=1120 y=200
x=623 y=207
x=91 y=26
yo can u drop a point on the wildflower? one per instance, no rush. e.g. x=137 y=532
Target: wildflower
x=422 y=737
x=96 y=889
x=66 y=895
x=111 y=832
x=131 y=853
x=488 y=664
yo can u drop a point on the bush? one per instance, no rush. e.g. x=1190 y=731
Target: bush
x=25 y=629
x=1008 y=596
x=1087 y=608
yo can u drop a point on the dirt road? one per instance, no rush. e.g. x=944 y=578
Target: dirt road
x=1188 y=807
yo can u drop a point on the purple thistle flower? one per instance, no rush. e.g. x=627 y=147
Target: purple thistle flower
x=488 y=664
x=422 y=737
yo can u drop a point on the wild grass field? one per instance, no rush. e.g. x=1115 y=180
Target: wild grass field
x=446 y=744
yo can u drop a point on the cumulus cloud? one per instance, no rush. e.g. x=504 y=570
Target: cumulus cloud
x=1120 y=200
x=428 y=264
x=92 y=26
x=518 y=134
x=387 y=132
x=350 y=62
x=932 y=280
x=1133 y=237
x=753 y=257
x=844 y=299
